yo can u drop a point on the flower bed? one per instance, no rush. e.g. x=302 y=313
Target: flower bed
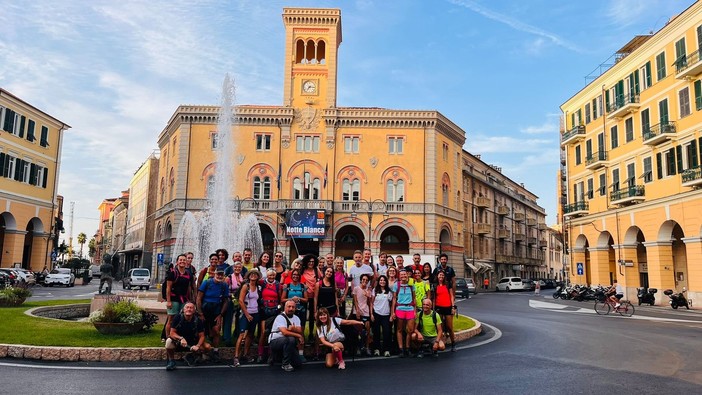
x=14 y=296
x=121 y=316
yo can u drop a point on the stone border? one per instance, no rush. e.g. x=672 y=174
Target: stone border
x=88 y=354
x=63 y=312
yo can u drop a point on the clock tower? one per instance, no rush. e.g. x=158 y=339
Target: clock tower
x=312 y=38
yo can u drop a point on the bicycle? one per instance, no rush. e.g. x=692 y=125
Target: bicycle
x=603 y=307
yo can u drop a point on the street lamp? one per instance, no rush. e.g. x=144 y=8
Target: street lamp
x=248 y=203
x=370 y=207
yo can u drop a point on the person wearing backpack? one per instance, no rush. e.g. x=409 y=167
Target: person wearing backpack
x=286 y=335
x=249 y=301
x=271 y=293
x=428 y=331
x=380 y=316
x=332 y=338
x=207 y=271
x=235 y=280
x=187 y=334
x=403 y=309
x=178 y=287
x=211 y=303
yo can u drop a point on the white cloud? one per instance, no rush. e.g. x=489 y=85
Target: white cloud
x=550 y=126
x=480 y=144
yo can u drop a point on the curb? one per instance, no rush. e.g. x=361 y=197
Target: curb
x=88 y=354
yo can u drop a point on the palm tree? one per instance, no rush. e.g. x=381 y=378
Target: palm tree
x=82 y=238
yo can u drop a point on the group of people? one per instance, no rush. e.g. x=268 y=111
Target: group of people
x=392 y=308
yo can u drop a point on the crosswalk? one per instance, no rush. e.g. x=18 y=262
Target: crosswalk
x=589 y=310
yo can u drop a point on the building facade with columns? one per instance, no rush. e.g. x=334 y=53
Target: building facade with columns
x=391 y=180
x=30 y=160
x=632 y=142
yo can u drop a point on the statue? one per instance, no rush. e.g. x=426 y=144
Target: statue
x=106 y=277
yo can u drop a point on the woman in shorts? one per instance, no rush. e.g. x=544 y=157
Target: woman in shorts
x=331 y=337
x=271 y=292
x=403 y=311
x=361 y=302
x=445 y=305
x=341 y=281
x=248 y=300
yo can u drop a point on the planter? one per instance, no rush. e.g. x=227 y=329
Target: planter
x=11 y=302
x=118 y=328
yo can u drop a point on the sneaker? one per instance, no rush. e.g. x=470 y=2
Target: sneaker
x=453 y=347
x=171 y=365
x=435 y=354
x=189 y=359
x=288 y=368
x=420 y=354
x=368 y=352
x=235 y=362
x=342 y=365
x=269 y=360
x=302 y=359
x=402 y=353
x=386 y=354
x=259 y=359
x=616 y=306
x=376 y=353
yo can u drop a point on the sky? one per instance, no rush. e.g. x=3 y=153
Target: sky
x=117 y=70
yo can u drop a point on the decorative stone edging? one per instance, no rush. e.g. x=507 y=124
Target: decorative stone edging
x=61 y=312
x=89 y=354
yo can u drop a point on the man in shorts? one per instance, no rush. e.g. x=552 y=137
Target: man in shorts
x=427 y=332
x=286 y=334
x=212 y=297
x=187 y=334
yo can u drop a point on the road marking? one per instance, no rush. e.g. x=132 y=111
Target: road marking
x=562 y=309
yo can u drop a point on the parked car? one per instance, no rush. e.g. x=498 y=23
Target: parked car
x=27 y=276
x=95 y=270
x=137 y=277
x=4 y=280
x=509 y=284
x=12 y=275
x=528 y=285
x=465 y=287
x=61 y=276
x=548 y=284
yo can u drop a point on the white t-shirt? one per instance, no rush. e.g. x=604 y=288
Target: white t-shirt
x=356 y=272
x=381 y=304
x=333 y=334
x=280 y=322
x=381 y=269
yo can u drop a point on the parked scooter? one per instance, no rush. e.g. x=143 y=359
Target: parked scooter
x=647 y=296
x=677 y=299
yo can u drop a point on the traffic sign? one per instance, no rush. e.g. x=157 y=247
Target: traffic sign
x=53 y=255
x=580 y=269
x=159 y=258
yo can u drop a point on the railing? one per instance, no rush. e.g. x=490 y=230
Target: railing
x=531 y=221
x=658 y=129
x=503 y=233
x=519 y=236
x=519 y=217
x=531 y=240
x=543 y=243
x=484 y=228
x=502 y=210
x=595 y=157
x=685 y=61
x=693 y=174
x=622 y=101
x=482 y=202
x=576 y=130
x=628 y=192
x=577 y=206
x=305 y=204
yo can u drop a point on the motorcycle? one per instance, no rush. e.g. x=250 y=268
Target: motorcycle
x=557 y=292
x=677 y=299
x=646 y=295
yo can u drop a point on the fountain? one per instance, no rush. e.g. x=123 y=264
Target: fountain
x=221 y=224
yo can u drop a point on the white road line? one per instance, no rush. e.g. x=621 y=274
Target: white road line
x=560 y=308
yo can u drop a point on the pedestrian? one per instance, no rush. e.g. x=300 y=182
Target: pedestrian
x=248 y=301
x=403 y=309
x=486 y=283
x=445 y=305
x=428 y=330
x=211 y=303
x=537 y=287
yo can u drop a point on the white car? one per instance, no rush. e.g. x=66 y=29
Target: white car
x=137 y=277
x=510 y=284
x=27 y=276
x=60 y=276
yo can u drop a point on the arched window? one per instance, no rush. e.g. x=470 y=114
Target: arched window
x=395 y=190
x=316 y=189
x=297 y=188
x=163 y=190
x=262 y=188
x=444 y=195
x=350 y=189
x=159 y=232
x=169 y=230
x=309 y=52
x=210 y=186
x=171 y=184
x=321 y=52
x=299 y=51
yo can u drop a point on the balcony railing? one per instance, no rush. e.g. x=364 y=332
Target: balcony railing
x=543 y=243
x=576 y=209
x=692 y=177
x=622 y=105
x=483 y=229
x=502 y=210
x=563 y=157
x=658 y=133
x=628 y=195
x=482 y=202
x=688 y=66
x=531 y=240
x=531 y=221
x=542 y=226
x=575 y=134
x=519 y=236
x=563 y=175
x=596 y=160
x=519 y=217
x=503 y=233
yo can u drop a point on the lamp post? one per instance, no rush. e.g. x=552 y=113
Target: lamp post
x=370 y=207
x=248 y=202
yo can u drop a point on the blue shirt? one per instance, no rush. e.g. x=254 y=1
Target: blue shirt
x=214 y=292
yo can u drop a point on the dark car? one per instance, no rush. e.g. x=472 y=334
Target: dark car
x=464 y=287
x=4 y=280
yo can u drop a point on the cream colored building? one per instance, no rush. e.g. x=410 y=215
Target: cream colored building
x=632 y=142
x=30 y=152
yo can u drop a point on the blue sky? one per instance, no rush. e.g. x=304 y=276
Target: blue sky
x=116 y=71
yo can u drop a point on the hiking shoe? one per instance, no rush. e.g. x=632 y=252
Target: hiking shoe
x=419 y=354
x=235 y=362
x=435 y=354
x=386 y=354
x=189 y=359
x=342 y=365
x=368 y=352
x=259 y=359
x=269 y=360
x=402 y=353
x=376 y=353
x=170 y=365
x=288 y=368
x=453 y=347
x=302 y=359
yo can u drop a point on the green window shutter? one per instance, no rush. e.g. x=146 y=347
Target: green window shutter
x=580 y=116
x=2 y=164
x=32 y=174
x=606 y=100
x=671 y=162
x=700 y=150
x=659 y=166
x=663 y=111
x=698 y=95
x=693 y=155
x=619 y=92
x=678 y=153
x=649 y=81
x=23 y=120
x=572 y=120
x=9 y=120
x=637 y=88
x=18 y=169
x=44 y=136
x=46 y=174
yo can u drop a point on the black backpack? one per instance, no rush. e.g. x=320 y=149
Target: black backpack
x=420 y=321
x=164 y=285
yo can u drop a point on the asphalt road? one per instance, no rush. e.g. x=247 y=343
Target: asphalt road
x=533 y=345
x=78 y=291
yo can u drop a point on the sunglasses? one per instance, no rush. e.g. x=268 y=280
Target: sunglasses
x=278 y=256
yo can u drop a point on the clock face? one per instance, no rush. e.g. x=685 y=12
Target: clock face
x=309 y=87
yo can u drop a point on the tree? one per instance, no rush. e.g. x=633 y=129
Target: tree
x=91 y=248
x=82 y=238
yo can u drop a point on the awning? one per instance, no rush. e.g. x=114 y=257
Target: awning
x=485 y=267
x=472 y=267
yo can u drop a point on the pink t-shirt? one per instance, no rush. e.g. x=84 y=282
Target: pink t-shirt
x=362 y=296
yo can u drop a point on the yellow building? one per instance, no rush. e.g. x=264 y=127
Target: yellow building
x=391 y=180
x=30 y=150
x=632 y=141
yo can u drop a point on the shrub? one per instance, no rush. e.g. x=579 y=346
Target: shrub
x=120 y=310
x=15 y=293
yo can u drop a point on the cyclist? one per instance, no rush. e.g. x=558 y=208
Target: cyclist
x=615 y=293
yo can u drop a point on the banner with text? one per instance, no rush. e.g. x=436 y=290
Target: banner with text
x=304 y=223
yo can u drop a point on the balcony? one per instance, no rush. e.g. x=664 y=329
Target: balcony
x=574 y=135
x=483 y=229
x=563 y=175
x=519 y=236
x=542 y=226
x=692 y=177
x=502 y=258
x=689 y=66
x=518 y=217
x=482 y=202
x=563 y=157
x=628 y=195
x=503 y=233
x=543 y=243
x=658 y=133
x=596 y=160
x=531 y=241
x=623 y=105
x=531 y=221
x=576 y=209
x=502 y=210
